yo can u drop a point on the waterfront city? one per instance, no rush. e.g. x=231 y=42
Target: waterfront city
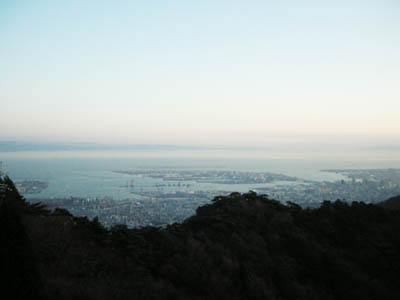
x=176 y=195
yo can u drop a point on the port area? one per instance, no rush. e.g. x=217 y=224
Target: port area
x=211 y=176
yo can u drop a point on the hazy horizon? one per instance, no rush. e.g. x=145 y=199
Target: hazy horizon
x=223 y=74
x=277 y=146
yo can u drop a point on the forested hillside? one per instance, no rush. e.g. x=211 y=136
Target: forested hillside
x=243 y=246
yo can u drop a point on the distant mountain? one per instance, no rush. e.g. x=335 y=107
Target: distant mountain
x=12 y=146
x=242 y=246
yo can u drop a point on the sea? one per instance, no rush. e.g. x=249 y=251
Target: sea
x=90 y=173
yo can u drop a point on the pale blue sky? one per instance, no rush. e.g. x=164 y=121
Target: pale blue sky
x=199 y=72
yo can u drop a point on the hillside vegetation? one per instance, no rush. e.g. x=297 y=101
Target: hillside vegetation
x=242 y=246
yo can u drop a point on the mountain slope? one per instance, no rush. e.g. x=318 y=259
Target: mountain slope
x=243 y=246
x=391 y=203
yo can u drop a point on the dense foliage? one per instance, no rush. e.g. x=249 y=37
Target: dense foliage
x=243 y=246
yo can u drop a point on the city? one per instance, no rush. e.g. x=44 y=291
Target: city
x=174 y=202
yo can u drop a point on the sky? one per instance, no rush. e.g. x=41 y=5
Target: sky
x=200 y=72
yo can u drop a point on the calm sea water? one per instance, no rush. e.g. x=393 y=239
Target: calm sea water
x=89 y=173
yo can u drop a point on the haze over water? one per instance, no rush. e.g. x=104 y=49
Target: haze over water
x=89 y=173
